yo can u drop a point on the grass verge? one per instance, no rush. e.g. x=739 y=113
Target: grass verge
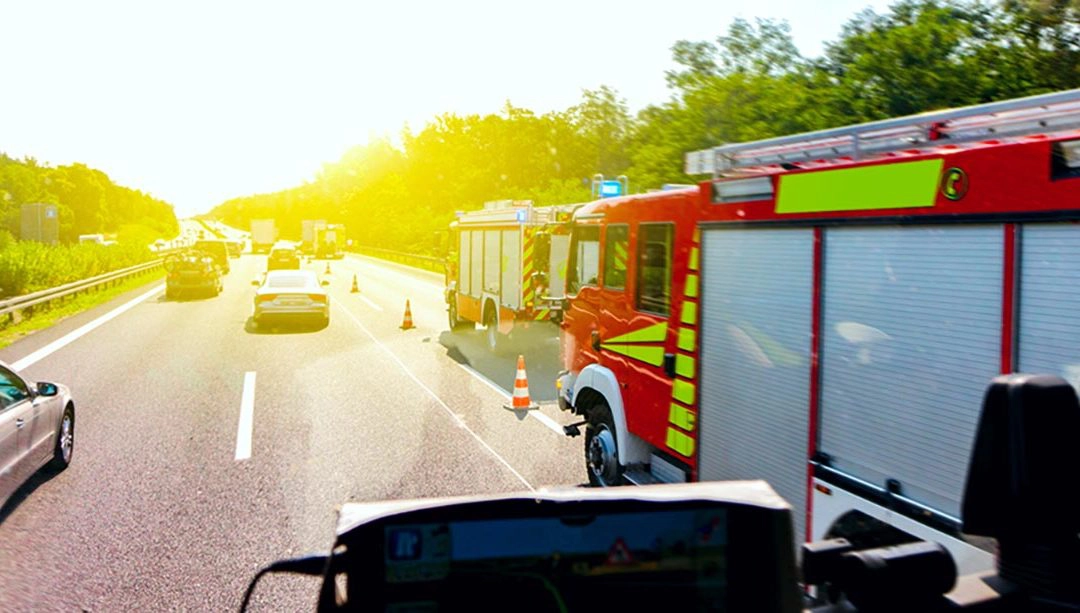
x=65 y=308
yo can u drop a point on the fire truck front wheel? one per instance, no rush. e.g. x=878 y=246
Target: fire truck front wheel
x=601 y=449
x=457 y=323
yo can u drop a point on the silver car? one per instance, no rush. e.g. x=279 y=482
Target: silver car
x=37 y=426
x=291 y=295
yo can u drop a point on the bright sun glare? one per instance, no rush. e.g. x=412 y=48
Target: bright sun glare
x=203 y=101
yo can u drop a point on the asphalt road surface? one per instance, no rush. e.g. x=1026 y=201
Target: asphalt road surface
x=206 y=448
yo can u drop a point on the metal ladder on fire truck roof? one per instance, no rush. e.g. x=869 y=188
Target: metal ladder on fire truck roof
x=1021 y=116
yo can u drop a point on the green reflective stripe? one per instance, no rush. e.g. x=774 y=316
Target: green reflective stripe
x=542 y=314
x=528 y=250
x=682 y=417
x=655 y=333
x=529 y=295
x=684 y=366
x=689 y=312
x=680 y=443
x=620 y=250
x=693 y=258
x=691 y=286
x=683 y=391
x=687 y=339
x=650 y=354
x=885 y=186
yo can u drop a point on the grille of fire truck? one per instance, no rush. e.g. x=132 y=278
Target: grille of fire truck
x=1009 y=118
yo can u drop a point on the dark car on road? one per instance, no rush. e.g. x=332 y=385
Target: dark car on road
x=216 y=249
x=283 y=256
x=193 y=273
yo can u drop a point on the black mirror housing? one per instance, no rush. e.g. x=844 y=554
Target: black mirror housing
x=46 y=389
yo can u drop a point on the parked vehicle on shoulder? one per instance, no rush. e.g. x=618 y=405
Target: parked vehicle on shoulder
x=822 y=317
x=37 y=427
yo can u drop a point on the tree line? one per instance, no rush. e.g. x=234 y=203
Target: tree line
x=749 y=83
x=87 y=200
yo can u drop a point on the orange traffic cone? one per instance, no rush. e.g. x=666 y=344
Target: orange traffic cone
x=355 y=287
x=520 y=400
x=327 y=269
x=407 y=323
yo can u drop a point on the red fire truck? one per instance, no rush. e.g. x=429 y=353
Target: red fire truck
x=503 y=260
x=825 y=313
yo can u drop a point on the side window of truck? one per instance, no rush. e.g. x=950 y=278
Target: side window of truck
x=615 y=256
x=584 y=266
x=654 y=267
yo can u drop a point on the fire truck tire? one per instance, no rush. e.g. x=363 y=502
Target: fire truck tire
x=494 y=341
x=601 y=448
x=455 y=322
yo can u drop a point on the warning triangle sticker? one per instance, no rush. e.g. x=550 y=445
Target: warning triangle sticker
x=619 y=554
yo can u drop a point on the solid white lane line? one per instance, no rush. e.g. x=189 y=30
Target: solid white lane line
x=371 y=304
x=547 y=421
x=483 y=379
x=436 y=398
x=544 y=419
x=77 y=333
x=247 y=417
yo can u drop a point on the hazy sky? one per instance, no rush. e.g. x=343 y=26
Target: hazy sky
x=199 y=101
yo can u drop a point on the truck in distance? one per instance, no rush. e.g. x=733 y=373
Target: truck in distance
x=263 y=235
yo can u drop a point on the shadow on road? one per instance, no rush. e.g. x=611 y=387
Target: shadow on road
x=284 y=327
x=41 y=477
x=540 y=347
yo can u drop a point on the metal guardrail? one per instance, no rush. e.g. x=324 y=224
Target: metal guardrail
x=425 y=262
x=11 y=307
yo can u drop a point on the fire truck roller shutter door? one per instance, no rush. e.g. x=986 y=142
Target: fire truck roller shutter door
x=1049 y=327
x=492 y=261
x=476 y=277
x=464 y=268
x=756 y=304
x=632 y=450
x=511 y=269
x=911 y=333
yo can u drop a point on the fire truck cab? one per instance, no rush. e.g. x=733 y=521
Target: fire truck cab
x=826 y=311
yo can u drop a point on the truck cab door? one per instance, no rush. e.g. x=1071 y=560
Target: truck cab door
x=580 y=333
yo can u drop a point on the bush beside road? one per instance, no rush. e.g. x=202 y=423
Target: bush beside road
x=27 y=267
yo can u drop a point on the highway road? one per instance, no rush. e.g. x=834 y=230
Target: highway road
x=206 y=448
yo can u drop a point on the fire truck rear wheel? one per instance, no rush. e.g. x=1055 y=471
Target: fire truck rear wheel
x=601 y=448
